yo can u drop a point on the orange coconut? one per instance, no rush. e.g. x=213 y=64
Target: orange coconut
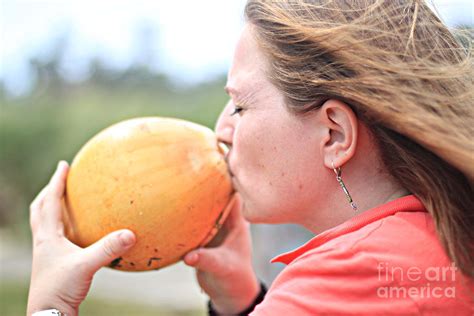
x=165 y=179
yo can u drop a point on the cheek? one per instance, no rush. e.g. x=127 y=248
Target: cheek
x=250 y=148
x=285 y=193
x=295 y=176
x=279 y=171
x=252 y=162
x=293 y=156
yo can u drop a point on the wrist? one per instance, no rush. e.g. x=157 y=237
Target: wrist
x=45 y=304
x=49 y=312
x=238 y=306
x=68 y=311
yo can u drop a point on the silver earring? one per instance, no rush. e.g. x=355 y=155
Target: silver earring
x=338 y=173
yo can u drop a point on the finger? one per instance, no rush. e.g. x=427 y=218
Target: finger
x=38 y=201
x=109 y=248
x=51 y=208
x=235 y=215
x=38 y=212
x=236 y=223
x=206 y=259
x=214 y=239
x=35 y=208
x=57 y=184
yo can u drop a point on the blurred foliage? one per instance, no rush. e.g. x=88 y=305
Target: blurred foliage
x=17 y=294
x=57 y=117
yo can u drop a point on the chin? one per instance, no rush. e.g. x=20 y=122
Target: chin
x=250 y=215
x=255 y=215
x=245 y=213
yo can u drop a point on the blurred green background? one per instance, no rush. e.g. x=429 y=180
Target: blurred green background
x=57 y=118
x=52 y=122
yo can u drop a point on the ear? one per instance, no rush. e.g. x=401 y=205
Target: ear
x=340 y=126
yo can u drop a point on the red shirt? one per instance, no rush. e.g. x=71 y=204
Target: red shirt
x=386 y=260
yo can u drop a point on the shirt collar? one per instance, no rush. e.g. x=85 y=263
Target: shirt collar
x=409 y=203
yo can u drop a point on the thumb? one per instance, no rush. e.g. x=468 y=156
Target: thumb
x=206 y=259
x=109 y=248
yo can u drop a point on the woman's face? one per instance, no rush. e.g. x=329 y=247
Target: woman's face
x=275 y=159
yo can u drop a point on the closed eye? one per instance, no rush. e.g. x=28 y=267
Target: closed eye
x=237 y=110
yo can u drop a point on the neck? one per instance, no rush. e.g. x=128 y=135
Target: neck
x=367 y=182
x=338 y=209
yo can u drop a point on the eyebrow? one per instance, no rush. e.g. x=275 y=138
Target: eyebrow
x=241 y=98
x=230 y=90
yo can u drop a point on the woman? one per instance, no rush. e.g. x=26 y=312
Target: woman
x=353 y=119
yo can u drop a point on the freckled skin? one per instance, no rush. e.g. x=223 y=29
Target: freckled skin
x=274 y=153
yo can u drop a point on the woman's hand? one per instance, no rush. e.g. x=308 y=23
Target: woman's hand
x=61 y=271
x=224 y=271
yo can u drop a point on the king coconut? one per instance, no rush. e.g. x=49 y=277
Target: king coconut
x=164 y=179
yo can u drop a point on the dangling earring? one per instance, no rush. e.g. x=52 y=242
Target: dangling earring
x=338 y=172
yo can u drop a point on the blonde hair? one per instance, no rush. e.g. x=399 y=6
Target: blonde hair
x=404 y=75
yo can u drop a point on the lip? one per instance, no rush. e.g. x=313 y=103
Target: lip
x=225 y=151
x=229 y=170
x=233 y=178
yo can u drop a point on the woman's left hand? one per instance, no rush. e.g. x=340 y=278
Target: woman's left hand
x=61 y=271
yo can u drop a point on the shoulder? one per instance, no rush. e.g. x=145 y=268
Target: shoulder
x=361 y=272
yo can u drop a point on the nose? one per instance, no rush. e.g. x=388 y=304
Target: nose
x=225 y=125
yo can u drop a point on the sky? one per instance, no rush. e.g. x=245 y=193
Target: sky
x=192 y=40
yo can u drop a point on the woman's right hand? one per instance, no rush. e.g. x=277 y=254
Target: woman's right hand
x=224 y=269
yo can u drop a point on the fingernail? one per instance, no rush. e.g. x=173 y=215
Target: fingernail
x=193 y=258
x=127 y=238
x=61 y=164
